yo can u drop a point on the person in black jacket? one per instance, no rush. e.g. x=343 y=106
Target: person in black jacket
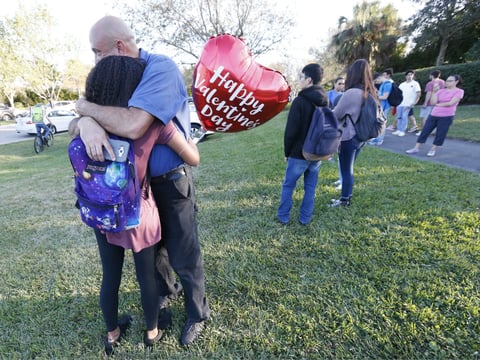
x=299 y=117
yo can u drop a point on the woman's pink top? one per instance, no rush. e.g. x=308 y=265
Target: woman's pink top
x=148 y=232
x=445 y=95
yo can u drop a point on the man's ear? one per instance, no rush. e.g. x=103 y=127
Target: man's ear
x=121 y=48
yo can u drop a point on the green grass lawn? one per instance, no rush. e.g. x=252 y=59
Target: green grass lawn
x=395 y=276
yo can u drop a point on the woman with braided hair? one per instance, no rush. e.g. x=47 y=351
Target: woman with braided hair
x=112 y=82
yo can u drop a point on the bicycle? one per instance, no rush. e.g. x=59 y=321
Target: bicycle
x=41 y=141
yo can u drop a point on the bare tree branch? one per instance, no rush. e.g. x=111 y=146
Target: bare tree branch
x=186 y=25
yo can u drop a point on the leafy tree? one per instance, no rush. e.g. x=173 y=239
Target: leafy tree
x=331 y=67
x=10 y=71
x=474 y=52
x=372 y=34
x=32 y=53
x=32 y=29
x=74 y=77
x=186 y=25
x=442 y=22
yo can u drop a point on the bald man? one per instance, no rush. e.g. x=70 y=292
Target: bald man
x=160 y=96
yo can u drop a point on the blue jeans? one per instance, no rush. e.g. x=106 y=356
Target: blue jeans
x=402 y=117
x=347 y=155
x=379 y=140
x=295 y=169
x=46 y=130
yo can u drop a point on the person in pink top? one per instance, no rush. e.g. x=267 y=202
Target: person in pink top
x=445 y=102
x=427 y=106
x=112 y=82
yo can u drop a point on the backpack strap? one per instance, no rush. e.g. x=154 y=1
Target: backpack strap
x=146 y=183
x=359 y=113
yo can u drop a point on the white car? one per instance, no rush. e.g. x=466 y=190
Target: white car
x=62 y=105
x=196 y=124
x=59 y=119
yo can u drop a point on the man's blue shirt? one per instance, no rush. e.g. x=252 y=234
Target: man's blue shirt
x=385 y=88
x=162 y=93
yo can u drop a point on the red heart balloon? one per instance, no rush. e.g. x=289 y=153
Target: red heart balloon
x=231 y=91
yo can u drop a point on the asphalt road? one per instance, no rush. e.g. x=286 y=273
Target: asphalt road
x=9 y=135
x=454 y=153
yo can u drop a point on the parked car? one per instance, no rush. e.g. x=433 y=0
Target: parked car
x=21 y=113
x=59 y=119
x=6 y=112
x=195 y=122
x=62 y=105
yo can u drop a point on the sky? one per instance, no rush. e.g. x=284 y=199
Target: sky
x=75 y=17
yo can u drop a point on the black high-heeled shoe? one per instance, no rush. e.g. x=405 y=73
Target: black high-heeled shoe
x=150 y=342
x=124 y=323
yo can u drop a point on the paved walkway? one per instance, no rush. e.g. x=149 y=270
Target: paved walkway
x=454 y=153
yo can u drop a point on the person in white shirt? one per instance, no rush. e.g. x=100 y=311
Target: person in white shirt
x=411 y=94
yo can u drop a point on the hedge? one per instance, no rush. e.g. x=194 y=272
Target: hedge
x=470 y=73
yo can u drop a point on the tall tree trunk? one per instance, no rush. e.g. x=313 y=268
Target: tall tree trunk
x=442 y=51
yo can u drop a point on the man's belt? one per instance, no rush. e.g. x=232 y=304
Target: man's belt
x=174 y=174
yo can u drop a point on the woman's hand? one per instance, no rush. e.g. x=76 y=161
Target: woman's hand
x=95 y=139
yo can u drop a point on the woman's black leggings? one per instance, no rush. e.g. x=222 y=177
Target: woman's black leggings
x=442 y=123
x=112 y=257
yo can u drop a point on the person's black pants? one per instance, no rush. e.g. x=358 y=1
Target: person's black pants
x=175 y=197
x=112 y=257
x=441 y=123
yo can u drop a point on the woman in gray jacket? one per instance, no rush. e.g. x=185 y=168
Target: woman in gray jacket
x=358 y=84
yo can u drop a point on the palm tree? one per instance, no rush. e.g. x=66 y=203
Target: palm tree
x=372 y=34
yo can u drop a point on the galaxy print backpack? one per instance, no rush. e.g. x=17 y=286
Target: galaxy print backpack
x=108 y=193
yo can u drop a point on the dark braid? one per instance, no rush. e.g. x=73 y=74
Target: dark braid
x=113 y=80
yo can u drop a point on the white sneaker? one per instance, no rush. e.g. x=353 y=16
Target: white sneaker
x=396 y=132
x=401 y=133
x=338 y=187
x=418 y=133
x=412 y=151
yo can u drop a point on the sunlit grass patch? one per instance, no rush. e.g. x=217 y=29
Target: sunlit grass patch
x=393 y=276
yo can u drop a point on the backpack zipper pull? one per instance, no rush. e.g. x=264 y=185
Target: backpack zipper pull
x=115 y=212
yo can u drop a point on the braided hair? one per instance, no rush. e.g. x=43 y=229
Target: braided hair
x=113 y=80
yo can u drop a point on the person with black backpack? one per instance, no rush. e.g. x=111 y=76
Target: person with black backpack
x=358 y=87
x=384 y=91
x=303 y=106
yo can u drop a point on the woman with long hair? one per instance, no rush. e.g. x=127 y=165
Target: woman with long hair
x=358 y=85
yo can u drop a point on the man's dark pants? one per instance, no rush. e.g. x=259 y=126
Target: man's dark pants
x=175 y=197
